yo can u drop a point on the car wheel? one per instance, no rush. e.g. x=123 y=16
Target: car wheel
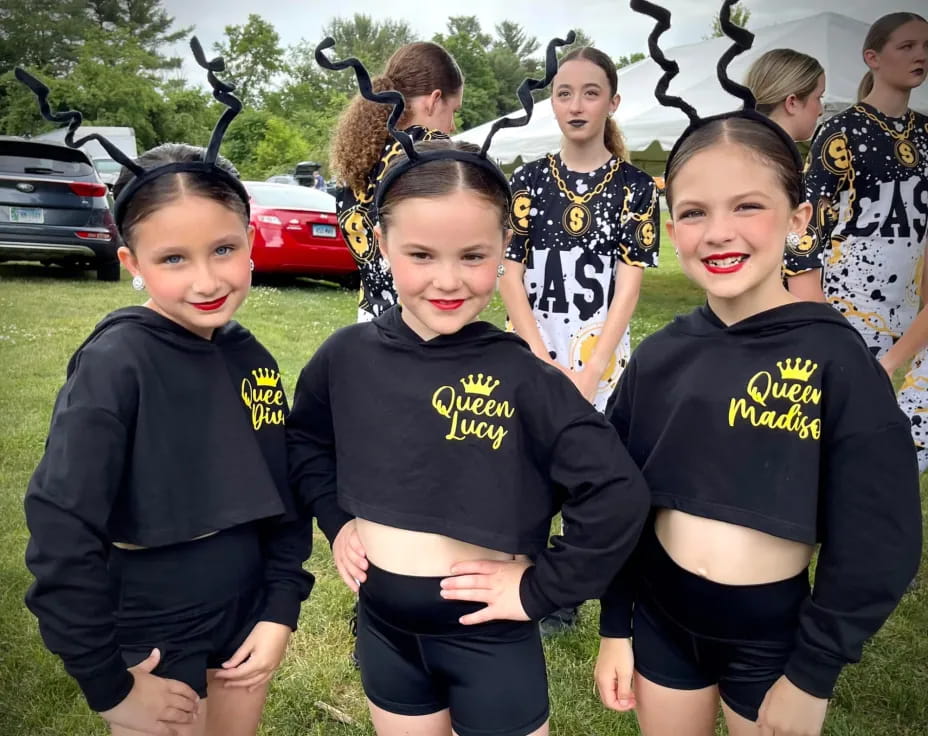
x=108 y=271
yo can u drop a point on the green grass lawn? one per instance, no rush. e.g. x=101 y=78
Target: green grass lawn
x=45 y=314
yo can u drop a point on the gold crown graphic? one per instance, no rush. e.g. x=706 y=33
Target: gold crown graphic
x=265 y=376
x=796 y=371
x=482 y=385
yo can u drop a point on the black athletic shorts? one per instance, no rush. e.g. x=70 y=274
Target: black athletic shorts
x=690 y=632
x=196 y=602
x=416 y=659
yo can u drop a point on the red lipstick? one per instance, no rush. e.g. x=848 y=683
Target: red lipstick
x=711 y=263
x=210 y=306
x=446 y=305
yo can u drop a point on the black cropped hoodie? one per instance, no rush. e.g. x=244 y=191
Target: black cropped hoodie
x=470 y=436
x=785 y=423
x=157 y=437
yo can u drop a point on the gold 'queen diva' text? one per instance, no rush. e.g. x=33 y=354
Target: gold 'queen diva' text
x=471 y=412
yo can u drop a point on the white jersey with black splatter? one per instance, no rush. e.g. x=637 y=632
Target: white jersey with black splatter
x=571 y=246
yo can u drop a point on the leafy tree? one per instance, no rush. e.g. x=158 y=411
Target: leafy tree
x=740 y=15
x=146 y=21
x=253 y=56
x=467 y=43
x=628 y=60
x=41 y=34
x=582 y=39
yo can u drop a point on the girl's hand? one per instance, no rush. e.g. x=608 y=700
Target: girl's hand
x=154 y=703
x=349 y=555
x=615 y=667
x=494 y=582
x=254 y=662
x=789 y=711
x=586 y=381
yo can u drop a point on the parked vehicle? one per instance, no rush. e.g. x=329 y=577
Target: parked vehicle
x=296 y=232
x=54 y=208
x=122 y=137
x=108 y=169
x=282 y=179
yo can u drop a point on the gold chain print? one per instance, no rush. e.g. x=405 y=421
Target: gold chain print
x=572 y=196
x=874 y=321
x=906 y=153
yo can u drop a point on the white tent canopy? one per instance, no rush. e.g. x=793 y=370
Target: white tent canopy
x=834 y=39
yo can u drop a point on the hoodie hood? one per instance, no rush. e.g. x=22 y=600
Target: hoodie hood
x=232 y=334
x=393 y=329
x=703 y=322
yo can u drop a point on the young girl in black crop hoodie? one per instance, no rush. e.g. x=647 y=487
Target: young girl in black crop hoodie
x=168 y=571
x=474 y=444
x=763 y=427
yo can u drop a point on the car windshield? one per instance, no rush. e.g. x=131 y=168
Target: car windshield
x=43 y=165
x=283 y=196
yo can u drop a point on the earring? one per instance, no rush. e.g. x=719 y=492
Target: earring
x=138 y=283
x=386 y=263
x=500 y=271
x=251 y=264
x=793 y=240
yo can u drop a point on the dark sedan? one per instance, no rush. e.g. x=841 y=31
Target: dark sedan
x=54 y=208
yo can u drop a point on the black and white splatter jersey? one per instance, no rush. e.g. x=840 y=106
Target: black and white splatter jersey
x=356 y=219
x=867 y=179
x=571 y=230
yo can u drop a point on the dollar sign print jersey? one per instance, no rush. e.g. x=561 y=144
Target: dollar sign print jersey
x=867 y=179
x=571 y=230
x=356 y=218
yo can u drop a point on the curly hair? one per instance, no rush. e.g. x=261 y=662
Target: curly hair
x=414 y=69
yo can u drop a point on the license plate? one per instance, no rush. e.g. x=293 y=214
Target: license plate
x=27 y=215
x=324 y=231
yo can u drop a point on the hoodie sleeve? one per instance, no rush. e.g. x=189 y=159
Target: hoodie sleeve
x=311 y=447
x=67 y=505
x=287 y=542
x=869 y=524
x=617 y=602
x=605 y=498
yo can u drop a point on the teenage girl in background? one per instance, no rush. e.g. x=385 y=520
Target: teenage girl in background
x=867 y=180
x=585 y=226
x=166 y=576
x=431 y=83
x=788 y=86
x=763 y=426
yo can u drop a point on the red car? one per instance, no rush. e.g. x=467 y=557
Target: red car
x=296 y=232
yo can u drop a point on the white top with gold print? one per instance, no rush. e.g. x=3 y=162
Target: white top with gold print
x=571 y=230
x=867 y=178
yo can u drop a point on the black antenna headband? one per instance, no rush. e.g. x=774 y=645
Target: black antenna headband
x=222 y=91
x=742 y=41
x=416 y=158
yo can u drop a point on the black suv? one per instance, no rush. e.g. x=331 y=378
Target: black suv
x=54 y=208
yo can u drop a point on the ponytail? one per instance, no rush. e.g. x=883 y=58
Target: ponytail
x=414 y=69
x=877 y=38
x=612 y=138
x=360 y=136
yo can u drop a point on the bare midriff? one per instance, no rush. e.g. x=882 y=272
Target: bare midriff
x=728 y=553
x=421 y=554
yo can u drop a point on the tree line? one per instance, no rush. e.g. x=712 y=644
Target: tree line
x=107 y=58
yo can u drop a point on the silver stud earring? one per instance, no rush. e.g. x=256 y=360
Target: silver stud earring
x=386 y=263
x=251 y=264
x=500 y=271
x=793 y=240
x=138 y=283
